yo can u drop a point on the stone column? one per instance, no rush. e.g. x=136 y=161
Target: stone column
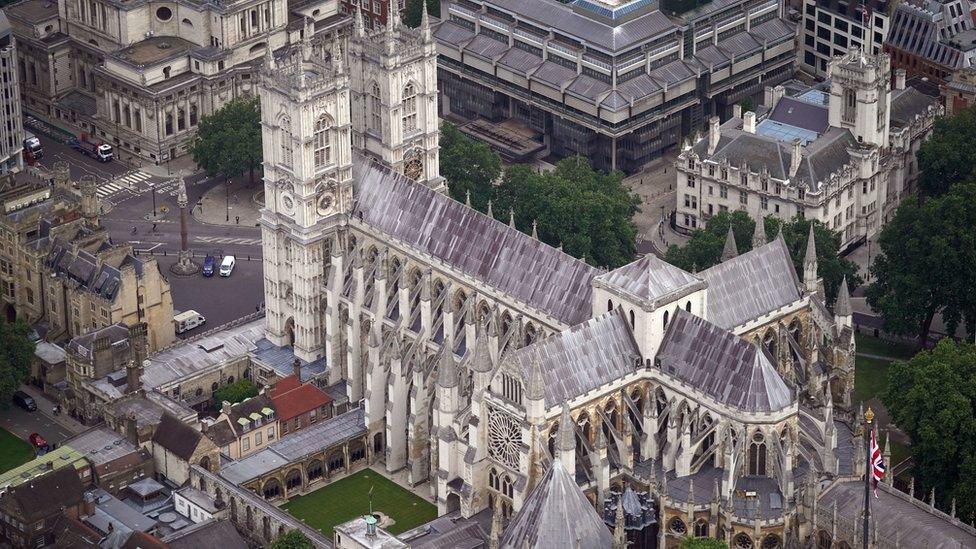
x=185 y=266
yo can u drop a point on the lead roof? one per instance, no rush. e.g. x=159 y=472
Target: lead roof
x=651 y=279
x=722 y=365
x=473 y=243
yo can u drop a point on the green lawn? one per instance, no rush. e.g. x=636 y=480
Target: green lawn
x=13 y=451
x=870 y=378
x=876 y=346
x=348 y=498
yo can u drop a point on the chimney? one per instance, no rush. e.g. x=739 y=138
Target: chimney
x=749 y=122
x=737 y=111
x=899 y=79
x=795 y=157
x=133 y=375
x=778 y=93
x=713 y=134
x=297 y=369
x=137 y=339
x=131 y=428
x=768 y=96
x=225 y=408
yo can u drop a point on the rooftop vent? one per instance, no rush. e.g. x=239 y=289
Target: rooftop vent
x=164 y=45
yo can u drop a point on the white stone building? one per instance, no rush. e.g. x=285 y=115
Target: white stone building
x=11 y=125
x=843 y=155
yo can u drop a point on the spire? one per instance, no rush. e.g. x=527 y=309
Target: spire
x=359 y=30
x=424 y=23
x=730 y=250
x=393 y=18
x=716 y=492
x=932 y=498
x=490 y=214
x=496 y=525
x=619 y=532
x=375 y=338
x=560 y=247
x=566 y=436
x=337 y=61
x=842 y=307
x=269 y=61
x=952 y=510
x=779 y=232
x=759 y=235
x=810 y=262
x=511 y=217
x=467 y=198
x=482 y=358
x=447 y=375
x=911 y=487
x=537 y=387
x=535 y=229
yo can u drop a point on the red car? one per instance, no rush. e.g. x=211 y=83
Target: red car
x=37 y=441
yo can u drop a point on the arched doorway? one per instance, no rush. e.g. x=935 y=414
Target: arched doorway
x=9 y=313
x=272 y=489
x=290 y=331
x=293 y=480
x=453 y=503
x=205 y=463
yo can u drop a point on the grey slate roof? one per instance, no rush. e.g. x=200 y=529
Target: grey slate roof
x=722 y=365
x=187 y=359
x=583 y=357
x=751 y=285
x=101 y=445
x=504 y=258
x=802 y=114
x=651 y=279
x=212 y=533
x=556 y=514
x=117 y=334
x=907 y=103
x=177 y=437
x=897 y=515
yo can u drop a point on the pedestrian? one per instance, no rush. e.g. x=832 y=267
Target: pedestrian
x=154 y=227
x=237 y=219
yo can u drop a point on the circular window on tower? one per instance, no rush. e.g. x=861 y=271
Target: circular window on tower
x=287 y=203
x=164 y=14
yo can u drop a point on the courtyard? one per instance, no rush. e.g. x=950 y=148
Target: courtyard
x=14 y=452
x=348 y=498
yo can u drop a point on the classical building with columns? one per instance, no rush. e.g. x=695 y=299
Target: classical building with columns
x=842 y=153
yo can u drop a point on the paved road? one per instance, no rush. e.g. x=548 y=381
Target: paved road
x=23 y=423
x=219 y=300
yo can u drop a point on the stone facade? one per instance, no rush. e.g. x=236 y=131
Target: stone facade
x=11 y=126
x=844 y=155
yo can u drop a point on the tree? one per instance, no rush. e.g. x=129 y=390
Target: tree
x=704 y=248
x=411 y=17
x=468 y=165
x=16 y=353
x=588 y=212
x=927 y=265
x=702 y=543
x=292 y=539
x=228 y=142
x=236 y=392
x=747 y=104
x=948 y=156
x=932 y=398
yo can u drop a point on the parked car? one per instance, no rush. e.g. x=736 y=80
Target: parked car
x=40 y=445
x=227 y=265
x=25 y=401
x=209 y=264
x=188 y=320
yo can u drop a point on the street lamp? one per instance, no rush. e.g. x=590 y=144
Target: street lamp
x=227 y=200
x=868 y=472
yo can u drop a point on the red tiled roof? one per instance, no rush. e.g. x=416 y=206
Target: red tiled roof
x=283 y=385
x=290 y=401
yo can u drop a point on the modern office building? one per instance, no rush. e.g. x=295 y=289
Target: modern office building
x=617 y=81
x=832 y=27
x=11 y=126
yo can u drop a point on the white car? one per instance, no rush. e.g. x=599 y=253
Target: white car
x=227 y=265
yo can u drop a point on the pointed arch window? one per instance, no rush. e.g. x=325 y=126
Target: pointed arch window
x=757 y=455
x=375 y=109
x=409 y=109
x=323 y=142
x=287 y=155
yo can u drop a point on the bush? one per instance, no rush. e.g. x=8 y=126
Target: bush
x=235 y=392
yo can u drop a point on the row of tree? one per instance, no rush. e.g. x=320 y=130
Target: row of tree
x=587 y=212
x=16 y=353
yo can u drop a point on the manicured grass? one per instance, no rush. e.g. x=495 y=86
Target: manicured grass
x=876 y=346
x=14 y=452
x=870 y=378
x=348 y=498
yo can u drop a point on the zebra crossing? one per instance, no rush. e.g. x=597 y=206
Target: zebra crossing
x=228 y=240
x=126 y=182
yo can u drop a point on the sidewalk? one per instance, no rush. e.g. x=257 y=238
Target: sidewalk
x=236 y=205
x=172 y=168
x=46 y=407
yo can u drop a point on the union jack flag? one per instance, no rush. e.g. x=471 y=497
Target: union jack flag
x=877 y=462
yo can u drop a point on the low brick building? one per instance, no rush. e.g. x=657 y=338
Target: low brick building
x=31 y=510
x=299 y=405
x=176 y=446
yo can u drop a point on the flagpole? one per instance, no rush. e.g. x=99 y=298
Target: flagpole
x=868 y=473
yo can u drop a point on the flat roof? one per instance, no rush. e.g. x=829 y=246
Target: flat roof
x=154 y=50
x=40 y=466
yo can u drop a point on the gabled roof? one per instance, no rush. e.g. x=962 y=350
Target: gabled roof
x=556 y=514
x=751 y=285
x=177 y=437
x=581 y=358
x=722 y=365
x=48 y=495
x=291 y=399
x=651 y=279
x=212 y=533
x=473 y=243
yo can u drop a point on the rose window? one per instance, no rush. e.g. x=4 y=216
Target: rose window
x=504 y=438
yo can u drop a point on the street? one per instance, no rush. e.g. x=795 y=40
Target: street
x=219 y=299
x=22 y=423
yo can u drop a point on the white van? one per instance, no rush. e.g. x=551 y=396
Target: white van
x=227 y=265
x=187 y=321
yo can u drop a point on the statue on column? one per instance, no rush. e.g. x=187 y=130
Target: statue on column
x=185 y=266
